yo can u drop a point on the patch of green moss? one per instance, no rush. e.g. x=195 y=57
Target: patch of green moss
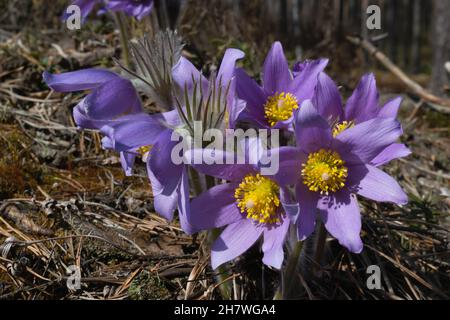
x=18 y=170
x=437 y=119
x=147 y=286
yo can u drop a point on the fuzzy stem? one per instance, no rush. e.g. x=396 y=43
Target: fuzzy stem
x=196 y=183
x=123 y=39
x=288 y=275
x=210 y=182
x=222 y=273
x=320 y=245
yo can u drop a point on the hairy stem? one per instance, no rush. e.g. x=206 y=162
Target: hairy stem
x=195 y=182
x=222 y=273
x=288 y=275
x=320 y=245
x=123 y=34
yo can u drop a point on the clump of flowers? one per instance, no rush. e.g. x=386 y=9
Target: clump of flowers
x=335 y=155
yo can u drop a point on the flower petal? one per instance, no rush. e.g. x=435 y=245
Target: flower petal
x=137 y=9
x=304 y=83
x=165 y=170
x=184 y=209
x=390 y=109
x=366 y=140
x=290 y=160
x=311 y=130
x=111 y=100
x=379 y=186
x=165 y=199
x=306 y=221
x=233 y=241
x=215 y=208
x=394 y=151
x=134 y=131
x=327 y=99
x=226 y=70
x=170 y=118
x=342 y=219
x=276 y=74
x=363 y=103
x=127 y=162
x=78 y=80
x=236 y=107
x=185 y=75
x=249 y=91
x=83 y=121
x=273 y=244
x=225 y=79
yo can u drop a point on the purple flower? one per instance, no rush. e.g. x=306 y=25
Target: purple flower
x=328 y=171
x=114 y=108
x=135 y=8
x=220 y=87
x=151 y=134
x=272 y=105
x=112 y=98
x=362 y=105
x=249 y=206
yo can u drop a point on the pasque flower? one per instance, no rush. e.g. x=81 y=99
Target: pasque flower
x=362 y=105
x=272 y=104
x=111 y=95
x=135 y=8
x=112 y=98
x=113 y=106
x=249 y=206
x=328 y=171
x=138 y=133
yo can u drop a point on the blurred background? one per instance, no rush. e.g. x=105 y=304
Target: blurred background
x=57 y=184
x=414 y=33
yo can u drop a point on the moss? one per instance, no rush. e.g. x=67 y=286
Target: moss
x=18 y=170
x=437 y=119
x=147 y=286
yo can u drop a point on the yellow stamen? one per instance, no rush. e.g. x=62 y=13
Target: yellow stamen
x=280 y=107
x=257 y=196
x=143 y=150
x=341 y=126
x=324 y=171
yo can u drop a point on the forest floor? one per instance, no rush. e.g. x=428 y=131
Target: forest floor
x=65 y=202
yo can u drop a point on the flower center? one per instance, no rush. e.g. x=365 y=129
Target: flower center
x=341 y=126
x=279 y=107
x=324 y=171
x=143 y=150
x=257 y=196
